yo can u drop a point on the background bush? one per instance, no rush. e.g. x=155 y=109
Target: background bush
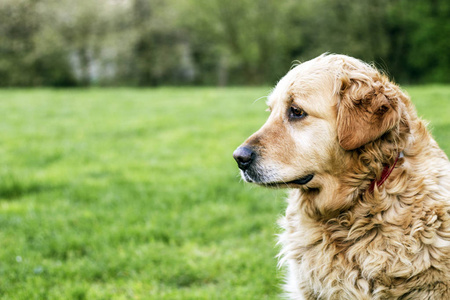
x=214 y=42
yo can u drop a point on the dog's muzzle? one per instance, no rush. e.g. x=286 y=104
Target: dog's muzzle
x=246 y=157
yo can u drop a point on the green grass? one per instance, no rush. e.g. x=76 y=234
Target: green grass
x=133 y=193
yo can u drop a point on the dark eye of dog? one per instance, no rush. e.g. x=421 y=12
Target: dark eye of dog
x=296 y=113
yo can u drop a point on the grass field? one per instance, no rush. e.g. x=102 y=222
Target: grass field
x=133 y=193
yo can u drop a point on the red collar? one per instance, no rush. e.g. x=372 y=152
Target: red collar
x=385 y=174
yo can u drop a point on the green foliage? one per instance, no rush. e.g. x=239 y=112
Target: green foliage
x=127 y=193
x=23 y=37
x=428 y=39
x=214 y=42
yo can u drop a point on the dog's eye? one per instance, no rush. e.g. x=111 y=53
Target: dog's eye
x=296 y=113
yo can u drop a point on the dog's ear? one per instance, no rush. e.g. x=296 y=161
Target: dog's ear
x=368 y=108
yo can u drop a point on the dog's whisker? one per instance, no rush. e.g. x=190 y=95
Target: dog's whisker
x=262 y=97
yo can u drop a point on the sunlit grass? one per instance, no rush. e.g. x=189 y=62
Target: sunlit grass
x=133 y=193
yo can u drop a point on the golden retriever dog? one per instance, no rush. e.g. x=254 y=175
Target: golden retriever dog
x=368 y=213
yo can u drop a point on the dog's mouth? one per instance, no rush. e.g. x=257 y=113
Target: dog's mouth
x=300 y=181
x=303 y=180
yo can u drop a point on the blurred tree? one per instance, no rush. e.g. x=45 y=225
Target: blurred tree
x=244 y=38
x=161 y=50
x=428 y=32
x=23 y=61
x=155 y=42
x=356 y=28
x=87 y=27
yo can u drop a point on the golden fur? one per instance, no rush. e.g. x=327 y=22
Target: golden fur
x=341 y=240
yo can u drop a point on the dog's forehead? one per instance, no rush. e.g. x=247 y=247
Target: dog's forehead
x=303 y=82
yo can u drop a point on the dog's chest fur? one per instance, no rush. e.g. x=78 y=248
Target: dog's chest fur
x=397 y=247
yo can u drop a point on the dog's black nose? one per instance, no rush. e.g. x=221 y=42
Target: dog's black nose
x=244 y=157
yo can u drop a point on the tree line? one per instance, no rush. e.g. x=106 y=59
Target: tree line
x=214 y=42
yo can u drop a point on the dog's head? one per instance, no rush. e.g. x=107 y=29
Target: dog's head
x=320 y=111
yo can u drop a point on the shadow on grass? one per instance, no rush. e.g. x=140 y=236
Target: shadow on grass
x=13 y=186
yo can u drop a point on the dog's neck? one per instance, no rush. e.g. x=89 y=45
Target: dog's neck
x=325 y=202
x=340 y=192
